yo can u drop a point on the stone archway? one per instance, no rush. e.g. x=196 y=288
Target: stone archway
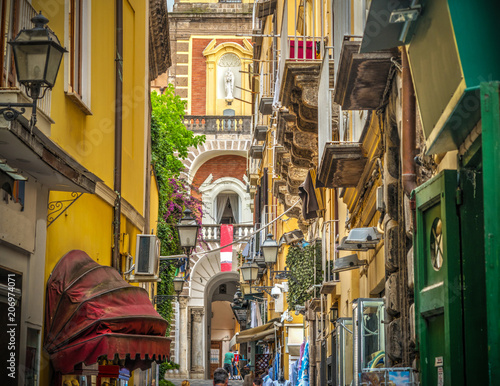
x=231 y=280
x=212 y=148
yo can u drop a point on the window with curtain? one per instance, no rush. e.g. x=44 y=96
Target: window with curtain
x=227 y=208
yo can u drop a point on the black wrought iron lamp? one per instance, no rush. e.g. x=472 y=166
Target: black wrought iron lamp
x=334 y=313
x=188 y=229
x=269 y=249
x=249 y=271
x=178 y=287
x=37 y=56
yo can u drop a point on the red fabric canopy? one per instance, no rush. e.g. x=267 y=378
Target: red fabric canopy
x=91 y=311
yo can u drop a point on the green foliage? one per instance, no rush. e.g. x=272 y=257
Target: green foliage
x=170 y=141
x=164 y=367
x=300 y=262
x=169 y=137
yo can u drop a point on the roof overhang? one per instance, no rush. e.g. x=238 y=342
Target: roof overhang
x=36 y=156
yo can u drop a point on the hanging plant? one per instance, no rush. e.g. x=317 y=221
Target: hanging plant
x=300 y=262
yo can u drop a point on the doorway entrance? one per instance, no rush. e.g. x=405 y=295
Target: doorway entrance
x=221 y=323
x=215 y=356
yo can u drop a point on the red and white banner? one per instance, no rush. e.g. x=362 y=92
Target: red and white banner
x=226 y=254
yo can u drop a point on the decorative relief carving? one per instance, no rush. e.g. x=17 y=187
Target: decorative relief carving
x=183 y=301
x=229 y=60
x=197 y=314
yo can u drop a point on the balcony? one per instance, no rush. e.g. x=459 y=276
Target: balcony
x=257 y=151
x=342 y=165
x=362 y=78
x=211 y=232
x=260 y=133
x=218 y=124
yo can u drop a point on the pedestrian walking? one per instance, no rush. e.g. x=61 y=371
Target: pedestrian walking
x=236 y=359
x=228 y=363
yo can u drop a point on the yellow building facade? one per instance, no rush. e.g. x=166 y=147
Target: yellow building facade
x=331 y=170
x=93 y=178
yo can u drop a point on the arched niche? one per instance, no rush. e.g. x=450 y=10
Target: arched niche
x=223 y=57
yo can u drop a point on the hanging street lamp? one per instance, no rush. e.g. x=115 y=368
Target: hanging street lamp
x=188 y=229
x=178 y=285
x=334 y=313
x=269 y=249
x=37 y=57
x=249 y=271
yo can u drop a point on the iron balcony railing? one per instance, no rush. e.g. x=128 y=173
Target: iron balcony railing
x=206 y=124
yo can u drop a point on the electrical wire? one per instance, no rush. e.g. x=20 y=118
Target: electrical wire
x=249 y=235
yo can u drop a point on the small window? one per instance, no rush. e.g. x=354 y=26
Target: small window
x=77 y=71
x=75 y=48
x=436 y=243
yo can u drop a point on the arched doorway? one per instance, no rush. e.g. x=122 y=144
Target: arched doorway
x=219 y=319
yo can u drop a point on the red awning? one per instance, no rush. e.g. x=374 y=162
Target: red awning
x=91 y=311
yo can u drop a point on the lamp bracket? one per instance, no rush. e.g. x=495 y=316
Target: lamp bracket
x=281 y=275
x=266 y=289
x=57 y=208
x=166 y=262
x=10 y=113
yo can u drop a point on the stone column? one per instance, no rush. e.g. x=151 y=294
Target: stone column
x=197 y=343
x=183 y=337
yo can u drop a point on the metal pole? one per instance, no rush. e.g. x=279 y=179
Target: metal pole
x=295 y=47
x=118 y=133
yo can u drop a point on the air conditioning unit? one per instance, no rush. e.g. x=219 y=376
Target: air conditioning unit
x=348 y=262
x=147 y=255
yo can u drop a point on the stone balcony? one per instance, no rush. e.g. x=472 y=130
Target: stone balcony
x=218 y=124
x=211 y=232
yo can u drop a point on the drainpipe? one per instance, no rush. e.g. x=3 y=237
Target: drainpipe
x=118 y=133
x=409 y=128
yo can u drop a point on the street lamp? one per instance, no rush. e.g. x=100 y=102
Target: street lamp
x=269 y=249
x=178 y=285
x=334 y=313
x=37 y=56
x=188 y=230
x=249 y=271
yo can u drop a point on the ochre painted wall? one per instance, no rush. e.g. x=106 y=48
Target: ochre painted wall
x=89 y=139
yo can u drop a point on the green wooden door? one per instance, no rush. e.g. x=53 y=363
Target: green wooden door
x=438 y=299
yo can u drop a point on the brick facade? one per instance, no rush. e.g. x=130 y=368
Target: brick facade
x=222 y=166
x=199 y=73
x=198 y=77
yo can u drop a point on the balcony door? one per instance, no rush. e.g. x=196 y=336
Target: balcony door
x=227 y=208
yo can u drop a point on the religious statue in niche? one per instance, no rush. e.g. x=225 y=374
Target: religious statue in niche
x=229 y=84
